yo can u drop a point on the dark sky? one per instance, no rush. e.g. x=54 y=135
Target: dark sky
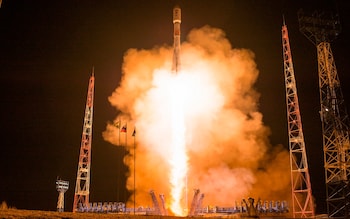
x=47 y=50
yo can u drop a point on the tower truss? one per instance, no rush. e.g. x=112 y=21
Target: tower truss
x=321 y=28
x=61 y=187
x=303 y=206
x=82 y=186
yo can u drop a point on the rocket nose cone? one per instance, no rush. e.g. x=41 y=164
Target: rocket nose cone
x=177 y=14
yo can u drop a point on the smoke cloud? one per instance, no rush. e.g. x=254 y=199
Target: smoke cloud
x=229 y=156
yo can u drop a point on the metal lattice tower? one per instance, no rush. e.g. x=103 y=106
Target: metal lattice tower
x=61 y=187
x=303 y=206
x=321 y=28
x=82 y=186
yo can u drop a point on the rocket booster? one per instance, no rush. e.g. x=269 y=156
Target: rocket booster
x=176 y=22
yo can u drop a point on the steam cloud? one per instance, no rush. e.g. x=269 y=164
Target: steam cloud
x=229 y=154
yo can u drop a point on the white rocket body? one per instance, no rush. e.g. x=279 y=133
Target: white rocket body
x=176 y=22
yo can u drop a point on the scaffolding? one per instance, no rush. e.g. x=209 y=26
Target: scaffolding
x=321 y=28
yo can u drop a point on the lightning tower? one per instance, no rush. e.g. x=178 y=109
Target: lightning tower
x=82 y=186
x=61 y=187
x=302 y=202
x=321 y=28
x=176 y=55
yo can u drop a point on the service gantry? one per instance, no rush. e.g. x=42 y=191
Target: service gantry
x=82 y=186
x=196 y=204
x=302 y=202
x=163 y=206
x=321 y=28
x=156 y=206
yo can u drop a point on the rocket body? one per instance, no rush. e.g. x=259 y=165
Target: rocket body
x=176 y=22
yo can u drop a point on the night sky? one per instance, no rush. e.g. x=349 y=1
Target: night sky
x=47 y=51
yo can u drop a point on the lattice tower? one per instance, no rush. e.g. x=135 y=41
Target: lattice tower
x=321 y=28
x=302 y=202
x=82 y=186
x=61 y=187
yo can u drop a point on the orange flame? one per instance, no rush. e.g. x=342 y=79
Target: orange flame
x=178 y=159
x=200 y=128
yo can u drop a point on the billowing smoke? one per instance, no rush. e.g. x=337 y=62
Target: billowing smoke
x=228 y=155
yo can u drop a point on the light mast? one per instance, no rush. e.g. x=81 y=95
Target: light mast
x=321 y=28
x=302 y=201
x=82 y=186
x=61 y=187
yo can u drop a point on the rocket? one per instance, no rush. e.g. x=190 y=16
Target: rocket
x=176 y=55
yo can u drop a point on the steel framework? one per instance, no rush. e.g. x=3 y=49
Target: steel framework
x=82 y=186
x=194 y=202
x=163 y=206
x=321 y=28
x=302 y=202
x=61 y=187
x=157 y=209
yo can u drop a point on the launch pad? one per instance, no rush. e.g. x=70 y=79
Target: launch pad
x=302 y=203
x=242 y=209
x=81 y=198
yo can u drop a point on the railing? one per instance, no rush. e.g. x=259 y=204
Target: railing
x=261 y=208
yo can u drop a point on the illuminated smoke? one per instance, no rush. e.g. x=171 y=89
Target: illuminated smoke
x=228 y=155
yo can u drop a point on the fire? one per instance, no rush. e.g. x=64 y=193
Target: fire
x=200 y=128
x=178 y=159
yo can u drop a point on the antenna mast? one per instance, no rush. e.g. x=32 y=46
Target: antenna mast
x=82 y=186
x=303 y=206
x=321 y=28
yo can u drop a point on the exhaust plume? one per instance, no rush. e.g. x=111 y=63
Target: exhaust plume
x=226 y=154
